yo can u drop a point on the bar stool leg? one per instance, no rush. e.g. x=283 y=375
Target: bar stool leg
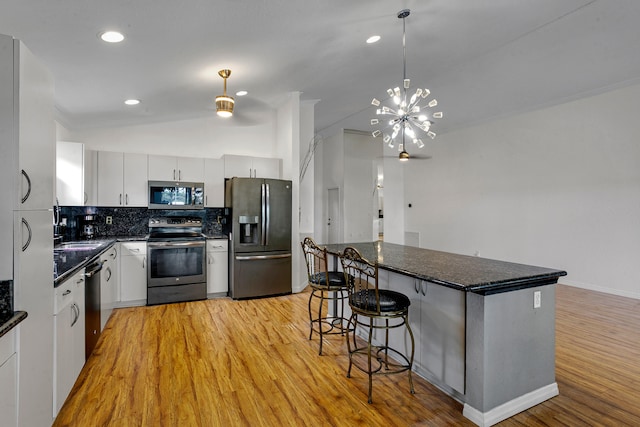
x=320 y=320
x=352 y=319
x=369 y=359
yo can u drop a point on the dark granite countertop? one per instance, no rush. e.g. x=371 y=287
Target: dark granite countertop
x=68 y=261
x=468 y=273
x=11 y=322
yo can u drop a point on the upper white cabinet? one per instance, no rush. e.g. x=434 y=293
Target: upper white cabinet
x=214 y=183
x=90 y=177
x=70 y=173
x=251 y=167
x=169 y=168
x=122 y=179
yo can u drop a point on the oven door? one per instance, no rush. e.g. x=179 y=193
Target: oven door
x=177 y=262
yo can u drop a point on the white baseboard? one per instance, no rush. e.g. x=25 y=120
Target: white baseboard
x=592 y=287
x=510 y=408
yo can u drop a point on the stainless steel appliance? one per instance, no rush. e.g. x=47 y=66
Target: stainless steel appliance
x=176 y=195
x=260 y=237
x=92 y=306
x=177 y=264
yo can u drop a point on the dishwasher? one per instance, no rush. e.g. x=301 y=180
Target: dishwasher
x=92 y=306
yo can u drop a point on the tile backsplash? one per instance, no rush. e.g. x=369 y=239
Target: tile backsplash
x=127 y=221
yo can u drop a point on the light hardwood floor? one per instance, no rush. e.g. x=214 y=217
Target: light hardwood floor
x=250 y=363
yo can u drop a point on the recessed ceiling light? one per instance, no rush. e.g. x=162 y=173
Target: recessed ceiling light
x=112 y=37
x=241 y=93
x=373 y=39
x=132 y=101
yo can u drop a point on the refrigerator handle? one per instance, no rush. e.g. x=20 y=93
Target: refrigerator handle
x=268 y=210
x=263 y=222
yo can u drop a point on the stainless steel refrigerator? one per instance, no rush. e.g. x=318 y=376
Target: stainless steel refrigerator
x=260 y=237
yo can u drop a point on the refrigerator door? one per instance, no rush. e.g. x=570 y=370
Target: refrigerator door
x=244 y=197
x=277 y=222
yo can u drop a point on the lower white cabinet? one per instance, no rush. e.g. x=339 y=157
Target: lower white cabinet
x=133 y=273
x=109 y=284
x=217 y=267
x=9 y=380
x=69 y=333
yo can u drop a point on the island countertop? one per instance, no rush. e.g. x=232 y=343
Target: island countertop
x=463 y=272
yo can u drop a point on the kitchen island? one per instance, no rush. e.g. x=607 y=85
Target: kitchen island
x=485 y=329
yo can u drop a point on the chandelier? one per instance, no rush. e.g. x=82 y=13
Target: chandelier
x=406 y=117
x=224 y=103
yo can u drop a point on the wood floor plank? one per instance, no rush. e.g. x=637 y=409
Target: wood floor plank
x=250 y=363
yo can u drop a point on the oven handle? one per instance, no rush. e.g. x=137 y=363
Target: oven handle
x=252 y=257
x=152 y=245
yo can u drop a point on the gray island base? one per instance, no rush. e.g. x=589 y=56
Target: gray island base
x=485 y=329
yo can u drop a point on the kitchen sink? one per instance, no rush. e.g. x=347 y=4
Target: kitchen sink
x=79 y=246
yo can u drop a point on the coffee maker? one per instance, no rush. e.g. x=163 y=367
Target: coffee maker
x=88 y=228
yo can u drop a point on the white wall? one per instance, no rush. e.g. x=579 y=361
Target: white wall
x=209 y=137
x=361 y=152
x=558 y=187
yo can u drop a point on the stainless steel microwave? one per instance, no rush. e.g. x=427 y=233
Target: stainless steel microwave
x=176 y=195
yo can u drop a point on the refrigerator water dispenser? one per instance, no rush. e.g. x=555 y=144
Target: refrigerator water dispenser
x=248 y=229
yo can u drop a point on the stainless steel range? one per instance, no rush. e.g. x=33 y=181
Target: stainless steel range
x=177 y=264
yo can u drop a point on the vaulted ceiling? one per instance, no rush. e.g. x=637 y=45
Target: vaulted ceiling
x=480 y=59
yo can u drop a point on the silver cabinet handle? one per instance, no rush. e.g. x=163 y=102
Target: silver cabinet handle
x=109 y=275
x=86 y=197
x=416 y=286
x=67 y=292
x=424 y=288
x=135 y=249
x=126 y=199
x=144 y=261
x=174 y=174
x=114 y=254
x=179 y=175
x=26 y=196
x=120 y=202
x=26 y=245
x=80 y=280
x=76 y=313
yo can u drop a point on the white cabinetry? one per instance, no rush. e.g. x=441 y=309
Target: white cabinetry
x=109 y=284
x=90 y=177
x=251 y=167
x=70 y=173
x=169 y=168
x=133 y=274
x=217 y=267
x=214 y=183
x=122 y=179
x=69 y=351
x=27 y=159
x=9 y=379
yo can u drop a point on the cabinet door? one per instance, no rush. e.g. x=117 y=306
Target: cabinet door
x=266 y=168
x=190 y=169
x=217 y=267
x=135 y=180
x=240 y=166
x=90 y=177
x=133 y=278
x=110 y=178
x=443 y=334
x=162 y=168
x=70 y=173
x=8 y=379
x=36 y=131
x=399 y=338
x=214 y=183
x=63 y=356
x=109 y=284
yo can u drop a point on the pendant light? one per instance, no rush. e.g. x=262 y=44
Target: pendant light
x=405 y=116
x=224 y=103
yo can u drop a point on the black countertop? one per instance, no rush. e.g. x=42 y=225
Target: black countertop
x=463 y=272
x=12 y=322
x=68 y=261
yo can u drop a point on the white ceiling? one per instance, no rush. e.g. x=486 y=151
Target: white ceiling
x=481 y=59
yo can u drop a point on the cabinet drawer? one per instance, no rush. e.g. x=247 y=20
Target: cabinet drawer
x=218 y=245
x=64 y=294
x=133 y=248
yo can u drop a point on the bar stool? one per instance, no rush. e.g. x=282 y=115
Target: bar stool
x=373 y=308
x=327 y=286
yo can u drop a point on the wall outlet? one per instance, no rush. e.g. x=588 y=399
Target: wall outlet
x=537 y=299
x=109 y=220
